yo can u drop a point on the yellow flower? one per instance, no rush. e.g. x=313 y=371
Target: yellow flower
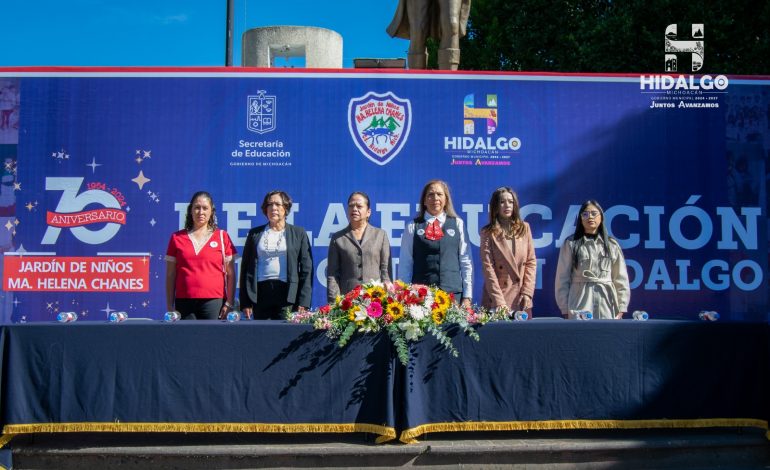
x=396 y=310
x=352 y=313
x=442 y=300
x=376 y=292
x=438 y=316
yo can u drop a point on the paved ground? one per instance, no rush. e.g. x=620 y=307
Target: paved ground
x=619 y=449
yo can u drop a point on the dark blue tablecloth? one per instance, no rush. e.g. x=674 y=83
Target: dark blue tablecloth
x=194 y=376
x=278 y=377
x=555 y=374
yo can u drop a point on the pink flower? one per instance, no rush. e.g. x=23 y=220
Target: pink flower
x=374 y=310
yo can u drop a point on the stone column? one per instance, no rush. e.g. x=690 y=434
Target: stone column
x=322 y=48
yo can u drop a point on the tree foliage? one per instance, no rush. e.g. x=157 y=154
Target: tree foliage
x=612 y=36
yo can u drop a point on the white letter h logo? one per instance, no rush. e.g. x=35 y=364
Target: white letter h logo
x=695 y=47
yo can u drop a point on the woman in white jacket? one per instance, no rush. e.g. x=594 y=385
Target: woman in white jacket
x=591 y=274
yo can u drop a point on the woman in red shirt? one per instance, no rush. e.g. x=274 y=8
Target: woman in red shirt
x=200 y=271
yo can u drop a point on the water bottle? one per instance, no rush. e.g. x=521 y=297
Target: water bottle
x=641 y=315
x=66 y=317
x=117 y=317
x=171 y=317
x=520 y=315
x=708 y=315
x=233 y=316
x=583 y=315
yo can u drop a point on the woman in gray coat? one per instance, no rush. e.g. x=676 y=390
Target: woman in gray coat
x=358 y=253
x=591 y=272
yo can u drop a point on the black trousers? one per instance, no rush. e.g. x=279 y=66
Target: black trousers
x=199 y=309
x=271 y=300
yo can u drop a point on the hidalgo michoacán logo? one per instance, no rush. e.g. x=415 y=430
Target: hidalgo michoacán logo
x=379 y=125
x=694 y=46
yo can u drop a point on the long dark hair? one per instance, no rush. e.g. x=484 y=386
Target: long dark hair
x=188 y=222
x=578 y=238
x=517 y=227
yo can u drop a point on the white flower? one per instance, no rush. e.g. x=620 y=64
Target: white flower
x=361 y=314
x=416 y=312
x=428 y=300
x=411 y=330
x=369 y=327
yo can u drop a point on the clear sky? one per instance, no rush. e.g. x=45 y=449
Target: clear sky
x=177 y=32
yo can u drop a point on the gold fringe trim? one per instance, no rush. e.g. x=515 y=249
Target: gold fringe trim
x=383 y=431
x=5 y=439
x=409 y=436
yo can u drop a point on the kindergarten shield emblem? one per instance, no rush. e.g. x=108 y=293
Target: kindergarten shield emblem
x=379 y=125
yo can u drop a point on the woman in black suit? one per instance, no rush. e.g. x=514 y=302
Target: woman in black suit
x=277 y=265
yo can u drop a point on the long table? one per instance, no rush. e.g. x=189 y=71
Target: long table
x=557 y=374
x=270 y=376
x=204 y=376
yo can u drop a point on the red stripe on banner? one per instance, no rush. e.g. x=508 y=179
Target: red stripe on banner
x=305 y=71
x=77 y=219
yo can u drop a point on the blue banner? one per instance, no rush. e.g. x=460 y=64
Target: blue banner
x=100 y=166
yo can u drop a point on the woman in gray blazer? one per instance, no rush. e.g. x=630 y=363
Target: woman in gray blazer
x=358 y=253
x=277 y=265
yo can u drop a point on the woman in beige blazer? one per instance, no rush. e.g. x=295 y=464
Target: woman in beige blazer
x=508 y=258
x=359 y=253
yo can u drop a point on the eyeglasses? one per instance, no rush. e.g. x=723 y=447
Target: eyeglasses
x=589 y=214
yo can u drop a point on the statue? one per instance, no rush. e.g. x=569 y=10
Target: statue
x=443 y=20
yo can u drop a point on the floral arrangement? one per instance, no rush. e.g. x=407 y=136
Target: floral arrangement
x=406 y=312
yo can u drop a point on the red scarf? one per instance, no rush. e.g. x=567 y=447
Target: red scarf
x=433 y=231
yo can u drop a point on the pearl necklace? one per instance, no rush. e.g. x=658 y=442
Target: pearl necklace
x=266 y=244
